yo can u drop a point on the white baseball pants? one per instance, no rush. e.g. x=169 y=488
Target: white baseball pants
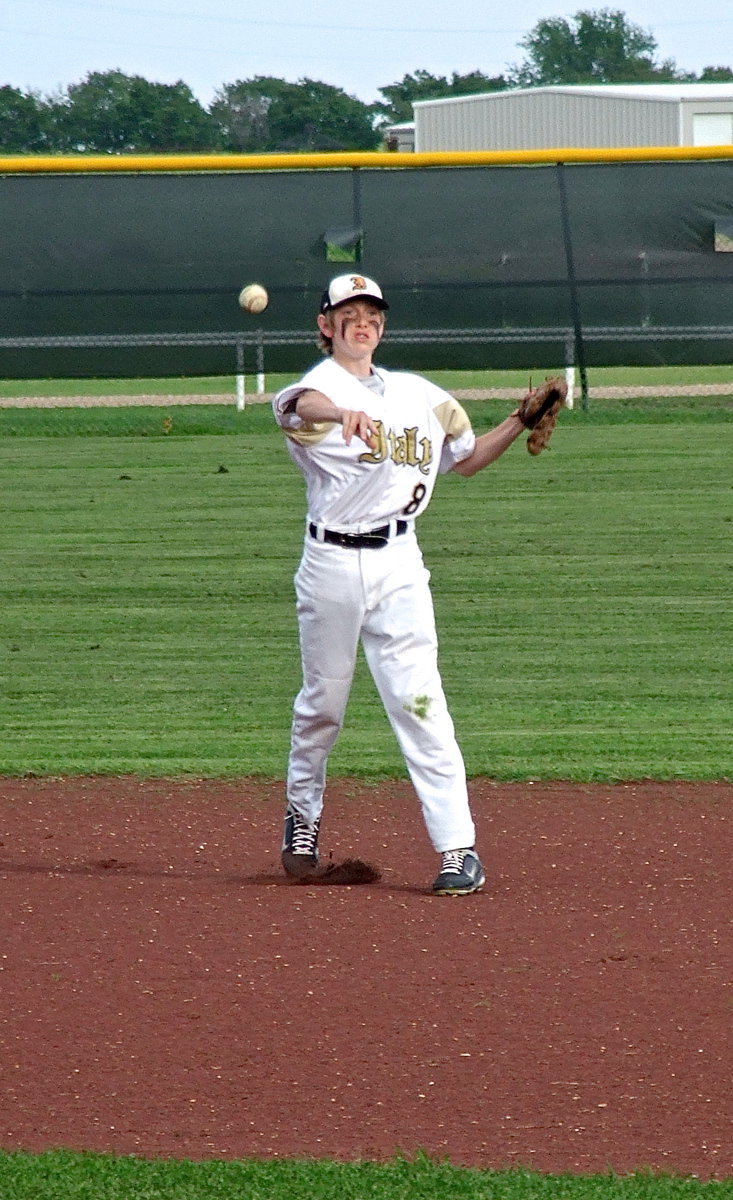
x=381 y=597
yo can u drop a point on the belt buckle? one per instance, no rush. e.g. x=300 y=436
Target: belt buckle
x=377 y=539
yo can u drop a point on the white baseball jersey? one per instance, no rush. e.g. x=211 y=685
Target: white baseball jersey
x=422 y=431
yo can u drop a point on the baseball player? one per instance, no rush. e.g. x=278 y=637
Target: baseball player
x=370 y=444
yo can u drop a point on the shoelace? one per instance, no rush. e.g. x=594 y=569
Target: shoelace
x=305 y=836
x=453 y=861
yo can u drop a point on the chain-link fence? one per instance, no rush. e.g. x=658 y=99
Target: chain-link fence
x=249 y=356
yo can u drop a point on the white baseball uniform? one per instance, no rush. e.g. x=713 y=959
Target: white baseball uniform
x=376 y=591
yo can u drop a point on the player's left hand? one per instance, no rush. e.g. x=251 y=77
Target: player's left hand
x=539 y=410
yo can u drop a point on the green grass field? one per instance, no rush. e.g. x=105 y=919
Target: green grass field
x=64 y=1176
x=583 y=601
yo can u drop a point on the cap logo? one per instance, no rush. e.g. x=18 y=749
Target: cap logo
x=359 y=283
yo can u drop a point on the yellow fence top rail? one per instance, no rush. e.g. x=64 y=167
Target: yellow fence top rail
x=20 y=164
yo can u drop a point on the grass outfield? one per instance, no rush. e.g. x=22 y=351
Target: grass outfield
x=64 y=1176
x=583 y=599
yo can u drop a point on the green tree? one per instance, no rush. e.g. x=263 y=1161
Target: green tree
x=265 y=114
x=113 y=113
x=599 y=46
x=399 y=97
x=716 y=75
x=23 y=121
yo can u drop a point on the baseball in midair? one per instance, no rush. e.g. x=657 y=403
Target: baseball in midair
x=254 y=298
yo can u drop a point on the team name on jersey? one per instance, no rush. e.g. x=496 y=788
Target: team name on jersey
x=403 y=449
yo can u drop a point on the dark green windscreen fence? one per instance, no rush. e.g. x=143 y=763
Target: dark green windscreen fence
x=138 y=274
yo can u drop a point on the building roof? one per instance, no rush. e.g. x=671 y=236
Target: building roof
x=674 y=92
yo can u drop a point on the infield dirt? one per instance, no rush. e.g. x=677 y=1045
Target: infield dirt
x=167 y=992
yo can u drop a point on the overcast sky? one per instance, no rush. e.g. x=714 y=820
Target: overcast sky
x=48 y=44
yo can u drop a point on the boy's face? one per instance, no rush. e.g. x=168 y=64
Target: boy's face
x=356 y=327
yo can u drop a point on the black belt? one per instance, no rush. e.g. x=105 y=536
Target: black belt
x=373 y=539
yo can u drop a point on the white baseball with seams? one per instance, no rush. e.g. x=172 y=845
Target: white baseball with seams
x=254 y=298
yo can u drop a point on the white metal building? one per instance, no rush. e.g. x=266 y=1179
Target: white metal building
x=645 y=114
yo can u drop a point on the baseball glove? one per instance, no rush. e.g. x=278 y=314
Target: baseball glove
x=539 y=410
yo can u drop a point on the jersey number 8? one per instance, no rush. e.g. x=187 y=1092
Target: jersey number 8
x=418 y=495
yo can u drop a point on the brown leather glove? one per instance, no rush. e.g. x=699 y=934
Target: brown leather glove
x=539 y=411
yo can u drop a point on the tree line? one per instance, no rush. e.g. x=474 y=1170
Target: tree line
x=109 y=112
